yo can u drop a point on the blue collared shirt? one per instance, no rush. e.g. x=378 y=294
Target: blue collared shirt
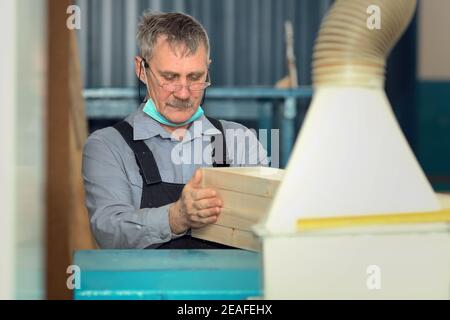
x=113 y=185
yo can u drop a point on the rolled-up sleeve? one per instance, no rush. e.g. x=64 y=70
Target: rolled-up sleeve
x=115 y=222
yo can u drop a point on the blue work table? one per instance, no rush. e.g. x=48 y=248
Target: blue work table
x=168 y=274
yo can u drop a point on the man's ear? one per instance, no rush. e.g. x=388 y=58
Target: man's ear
x=139 y=68
x=209 y=62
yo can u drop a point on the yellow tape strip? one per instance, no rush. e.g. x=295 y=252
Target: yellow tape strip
x=352 y=221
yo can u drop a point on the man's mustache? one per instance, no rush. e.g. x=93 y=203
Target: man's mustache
x=181 y=104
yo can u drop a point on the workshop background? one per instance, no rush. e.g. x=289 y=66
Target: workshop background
x=248 y=50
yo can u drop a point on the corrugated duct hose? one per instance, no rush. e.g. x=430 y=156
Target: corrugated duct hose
x=348 y=52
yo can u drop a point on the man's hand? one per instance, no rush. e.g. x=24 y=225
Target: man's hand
x=196 y=207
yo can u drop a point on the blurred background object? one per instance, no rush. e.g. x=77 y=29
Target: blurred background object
x=432 y=92
x=22 y=137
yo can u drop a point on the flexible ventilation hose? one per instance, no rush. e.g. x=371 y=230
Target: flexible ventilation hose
x=348 y=52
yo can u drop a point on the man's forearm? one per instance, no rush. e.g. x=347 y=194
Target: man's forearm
x=133 y=229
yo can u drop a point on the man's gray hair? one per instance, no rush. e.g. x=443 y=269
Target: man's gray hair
x=178 y=28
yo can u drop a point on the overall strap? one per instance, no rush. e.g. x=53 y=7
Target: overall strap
x=156 y=193
x=220 y=157
x=144 y=157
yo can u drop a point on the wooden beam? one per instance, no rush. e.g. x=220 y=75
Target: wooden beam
x=67 y=218
x=81 y=236
x=58 y=152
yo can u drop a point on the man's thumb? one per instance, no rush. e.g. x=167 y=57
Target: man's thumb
x=197 y=177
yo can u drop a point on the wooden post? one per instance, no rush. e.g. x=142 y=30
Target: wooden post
x=81 y=236
x=292 y=65
x=67 y=227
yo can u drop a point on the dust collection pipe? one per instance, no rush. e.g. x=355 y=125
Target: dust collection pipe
x=348 y=52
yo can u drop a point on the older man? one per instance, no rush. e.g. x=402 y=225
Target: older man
x=141 y=179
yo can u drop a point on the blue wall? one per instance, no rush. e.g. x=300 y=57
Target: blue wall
x=433 y=144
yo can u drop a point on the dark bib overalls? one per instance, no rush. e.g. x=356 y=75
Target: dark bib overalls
x=156 y=193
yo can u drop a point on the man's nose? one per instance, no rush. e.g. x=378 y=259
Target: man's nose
x=183 y=93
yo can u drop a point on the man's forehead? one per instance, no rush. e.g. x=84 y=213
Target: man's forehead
x=179 y=48
x=173 y=59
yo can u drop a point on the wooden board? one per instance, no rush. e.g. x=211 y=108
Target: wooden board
x=81 y=236
x=58 y=166
x=244 y=205
x=260 y=181
x=228 y=219
x=67 y=219
x=247 y=193
x=229 y=236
